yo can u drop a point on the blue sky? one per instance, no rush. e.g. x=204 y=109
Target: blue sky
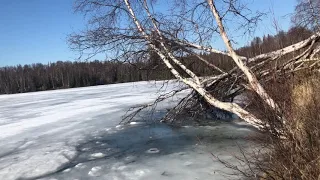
x=35 y=31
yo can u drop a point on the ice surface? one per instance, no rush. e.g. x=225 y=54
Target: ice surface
x=75 y=134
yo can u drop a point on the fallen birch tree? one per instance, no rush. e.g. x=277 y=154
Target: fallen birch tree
x=130 y=28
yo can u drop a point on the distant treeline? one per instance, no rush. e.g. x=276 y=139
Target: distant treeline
x=39 y=77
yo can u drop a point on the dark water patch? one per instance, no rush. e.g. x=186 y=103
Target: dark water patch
x=136 y=144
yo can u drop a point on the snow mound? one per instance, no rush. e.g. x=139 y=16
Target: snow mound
x=95 y=171
x=153 y=151
x=97 y=155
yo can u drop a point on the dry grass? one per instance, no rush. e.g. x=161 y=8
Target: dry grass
x=296 y=155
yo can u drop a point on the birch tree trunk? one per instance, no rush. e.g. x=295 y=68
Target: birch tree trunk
x=253 y=81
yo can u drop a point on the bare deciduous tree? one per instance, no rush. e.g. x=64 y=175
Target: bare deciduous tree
x=307 y=14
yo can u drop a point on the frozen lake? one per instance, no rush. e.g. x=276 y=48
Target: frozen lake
x=74 y=134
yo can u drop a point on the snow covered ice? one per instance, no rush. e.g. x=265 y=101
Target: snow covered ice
x=75 y=134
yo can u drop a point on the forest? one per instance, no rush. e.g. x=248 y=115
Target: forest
x=67 y=74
